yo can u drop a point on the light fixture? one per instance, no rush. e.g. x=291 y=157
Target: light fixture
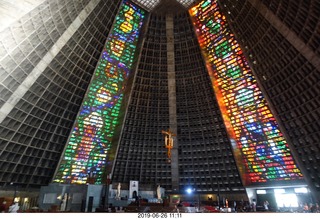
x=189 y=191
x=261 y=191
x=279 y=191
x=301 y=190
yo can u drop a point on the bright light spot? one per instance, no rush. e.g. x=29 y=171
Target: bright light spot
x=286 y=200
x=189 y=190
x=279 y=191
x=261 y=191
x=301 y=190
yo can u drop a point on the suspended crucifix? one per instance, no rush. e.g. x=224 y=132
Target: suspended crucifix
x=168 y=140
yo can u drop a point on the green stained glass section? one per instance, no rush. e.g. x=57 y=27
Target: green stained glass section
x=90 y=141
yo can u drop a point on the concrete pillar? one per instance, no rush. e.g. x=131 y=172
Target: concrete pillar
x=172 y=101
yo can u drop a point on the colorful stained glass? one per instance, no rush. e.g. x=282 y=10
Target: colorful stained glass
x=90 y=141
x=255 y=136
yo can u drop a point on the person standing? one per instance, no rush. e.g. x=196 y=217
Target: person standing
x=305 y=208
x=138 y=201
x=254 y=206
x=64 y=202
x=266 y=205
x=118 y=191
x=14 y=208
x=159 y=192
x=317 y=208
x=3 y=207
x=176 y=209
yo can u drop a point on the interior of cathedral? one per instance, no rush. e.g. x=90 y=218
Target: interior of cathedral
x=160 y=106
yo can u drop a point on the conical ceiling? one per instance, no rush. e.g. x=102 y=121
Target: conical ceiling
x=168 y=7
x=151 y=4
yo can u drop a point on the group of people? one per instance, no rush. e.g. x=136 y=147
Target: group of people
x=312 y=208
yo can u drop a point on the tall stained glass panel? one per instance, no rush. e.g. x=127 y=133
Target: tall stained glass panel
x=90 y=141
x=261 y=151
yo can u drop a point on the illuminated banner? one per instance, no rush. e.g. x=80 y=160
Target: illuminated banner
x=261 y=152
x=87 y=150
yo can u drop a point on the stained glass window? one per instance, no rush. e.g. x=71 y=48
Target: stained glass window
x=90 y=141
x=262 y=153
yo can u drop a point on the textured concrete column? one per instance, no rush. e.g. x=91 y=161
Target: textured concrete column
x=291 y=36
x=13 y=10
x=46 y=60
x=172 y=101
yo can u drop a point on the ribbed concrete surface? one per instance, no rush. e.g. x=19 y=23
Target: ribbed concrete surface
x=12 y=10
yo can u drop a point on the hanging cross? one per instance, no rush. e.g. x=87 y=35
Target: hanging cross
x=168 y=141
